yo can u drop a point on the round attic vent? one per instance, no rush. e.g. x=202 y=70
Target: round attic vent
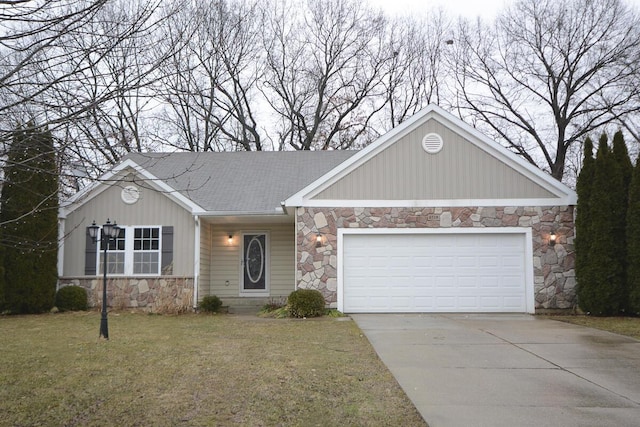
x=432 y=143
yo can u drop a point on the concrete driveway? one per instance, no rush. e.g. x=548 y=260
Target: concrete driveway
x=509 y=370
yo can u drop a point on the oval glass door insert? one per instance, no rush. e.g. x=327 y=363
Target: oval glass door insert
x=255 y=260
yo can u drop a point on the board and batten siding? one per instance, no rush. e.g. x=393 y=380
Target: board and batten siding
x=153 y=208
x=225 y=259
x=461 y=170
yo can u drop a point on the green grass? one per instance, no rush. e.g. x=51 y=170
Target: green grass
x=193 y=370
x=629 y=326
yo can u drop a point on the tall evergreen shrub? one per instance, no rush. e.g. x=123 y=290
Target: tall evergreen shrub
x=623 y=163
x=584 y=187
x=2 y=299
x=601 y=291
x=633 y=241
x=28 y=221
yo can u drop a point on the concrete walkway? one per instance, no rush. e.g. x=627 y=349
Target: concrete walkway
x=509 y=370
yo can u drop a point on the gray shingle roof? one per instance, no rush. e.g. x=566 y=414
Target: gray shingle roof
x=249 y=182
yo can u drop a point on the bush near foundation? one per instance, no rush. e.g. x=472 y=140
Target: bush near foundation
x=306 y=303
x=71 y=298
x=210 y=304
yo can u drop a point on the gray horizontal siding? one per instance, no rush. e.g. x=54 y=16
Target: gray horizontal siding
x=225 y=259
x=153 y=208
x=205 y=257
x=461 y=170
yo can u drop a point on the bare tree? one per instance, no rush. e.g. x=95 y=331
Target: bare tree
x=209 y=86
x=30 y=34
x=79 y=68
x=325 y=64
x=106 y=101
x=417 y=72
x=548 y=74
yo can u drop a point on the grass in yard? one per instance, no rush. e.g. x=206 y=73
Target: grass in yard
x=213 y=370
x=629 y=326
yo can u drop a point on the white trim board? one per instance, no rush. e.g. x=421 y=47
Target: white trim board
x=442 y=203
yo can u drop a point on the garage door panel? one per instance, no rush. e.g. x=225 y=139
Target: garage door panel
x=433 y=272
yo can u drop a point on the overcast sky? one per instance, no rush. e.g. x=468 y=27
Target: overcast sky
x=467 y=8
x=486 y=9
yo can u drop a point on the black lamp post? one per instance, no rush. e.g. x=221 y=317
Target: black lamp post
x=109 y=231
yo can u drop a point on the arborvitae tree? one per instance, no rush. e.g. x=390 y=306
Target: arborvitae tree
x=621 y=155
x=28 y=221
x=633 y=241
x=601 y=291
x=623 y=163
x=584 y=187
x=2 y=302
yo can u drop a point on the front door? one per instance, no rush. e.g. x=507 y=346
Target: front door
x=254 y=263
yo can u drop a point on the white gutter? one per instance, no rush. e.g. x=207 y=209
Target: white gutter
x=196 y=260
x=279 y=211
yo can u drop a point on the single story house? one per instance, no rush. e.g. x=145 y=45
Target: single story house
x=431 y=217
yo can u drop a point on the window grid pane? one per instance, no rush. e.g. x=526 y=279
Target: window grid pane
x=116 y=244
x=146 y=250
x=145 y=263
x=115 y=263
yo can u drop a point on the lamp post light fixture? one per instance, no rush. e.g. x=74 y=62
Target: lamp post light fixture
x=109 y=231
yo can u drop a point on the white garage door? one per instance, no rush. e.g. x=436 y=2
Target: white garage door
x=479 y=272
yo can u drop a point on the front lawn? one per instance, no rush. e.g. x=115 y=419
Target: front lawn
x=629 y=326
x=193 y=370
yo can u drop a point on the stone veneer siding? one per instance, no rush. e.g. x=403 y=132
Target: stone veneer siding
x=553 y=267
x=164 y=294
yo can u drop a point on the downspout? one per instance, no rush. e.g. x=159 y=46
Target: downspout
x=295 y=253
x=61 y=224
x=196 y=260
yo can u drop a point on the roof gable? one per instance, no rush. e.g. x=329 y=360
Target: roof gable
x=395 y=170
x=121 y=173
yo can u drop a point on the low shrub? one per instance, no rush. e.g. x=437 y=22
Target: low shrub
x=274 y=304
x=276 y=313
x=210 y=304
x=71 y=298
x=306 y=303
x=332 y=312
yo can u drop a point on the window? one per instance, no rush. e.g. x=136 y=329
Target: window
x=146 y=250
x=136 y=251
x=115 y=254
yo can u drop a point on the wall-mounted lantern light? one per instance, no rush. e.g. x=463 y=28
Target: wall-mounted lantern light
x=230 y=239
x=552 y=238
x=318 y=240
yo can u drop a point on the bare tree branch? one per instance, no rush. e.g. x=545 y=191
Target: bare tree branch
x=548 y=74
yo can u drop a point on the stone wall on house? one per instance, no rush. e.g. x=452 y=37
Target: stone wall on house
x=164 y=294
x=554 y=274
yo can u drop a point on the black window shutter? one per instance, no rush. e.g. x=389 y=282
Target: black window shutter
x=91 y=248
x=166 y=267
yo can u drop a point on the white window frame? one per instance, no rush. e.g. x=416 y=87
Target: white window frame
x=129 y=252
